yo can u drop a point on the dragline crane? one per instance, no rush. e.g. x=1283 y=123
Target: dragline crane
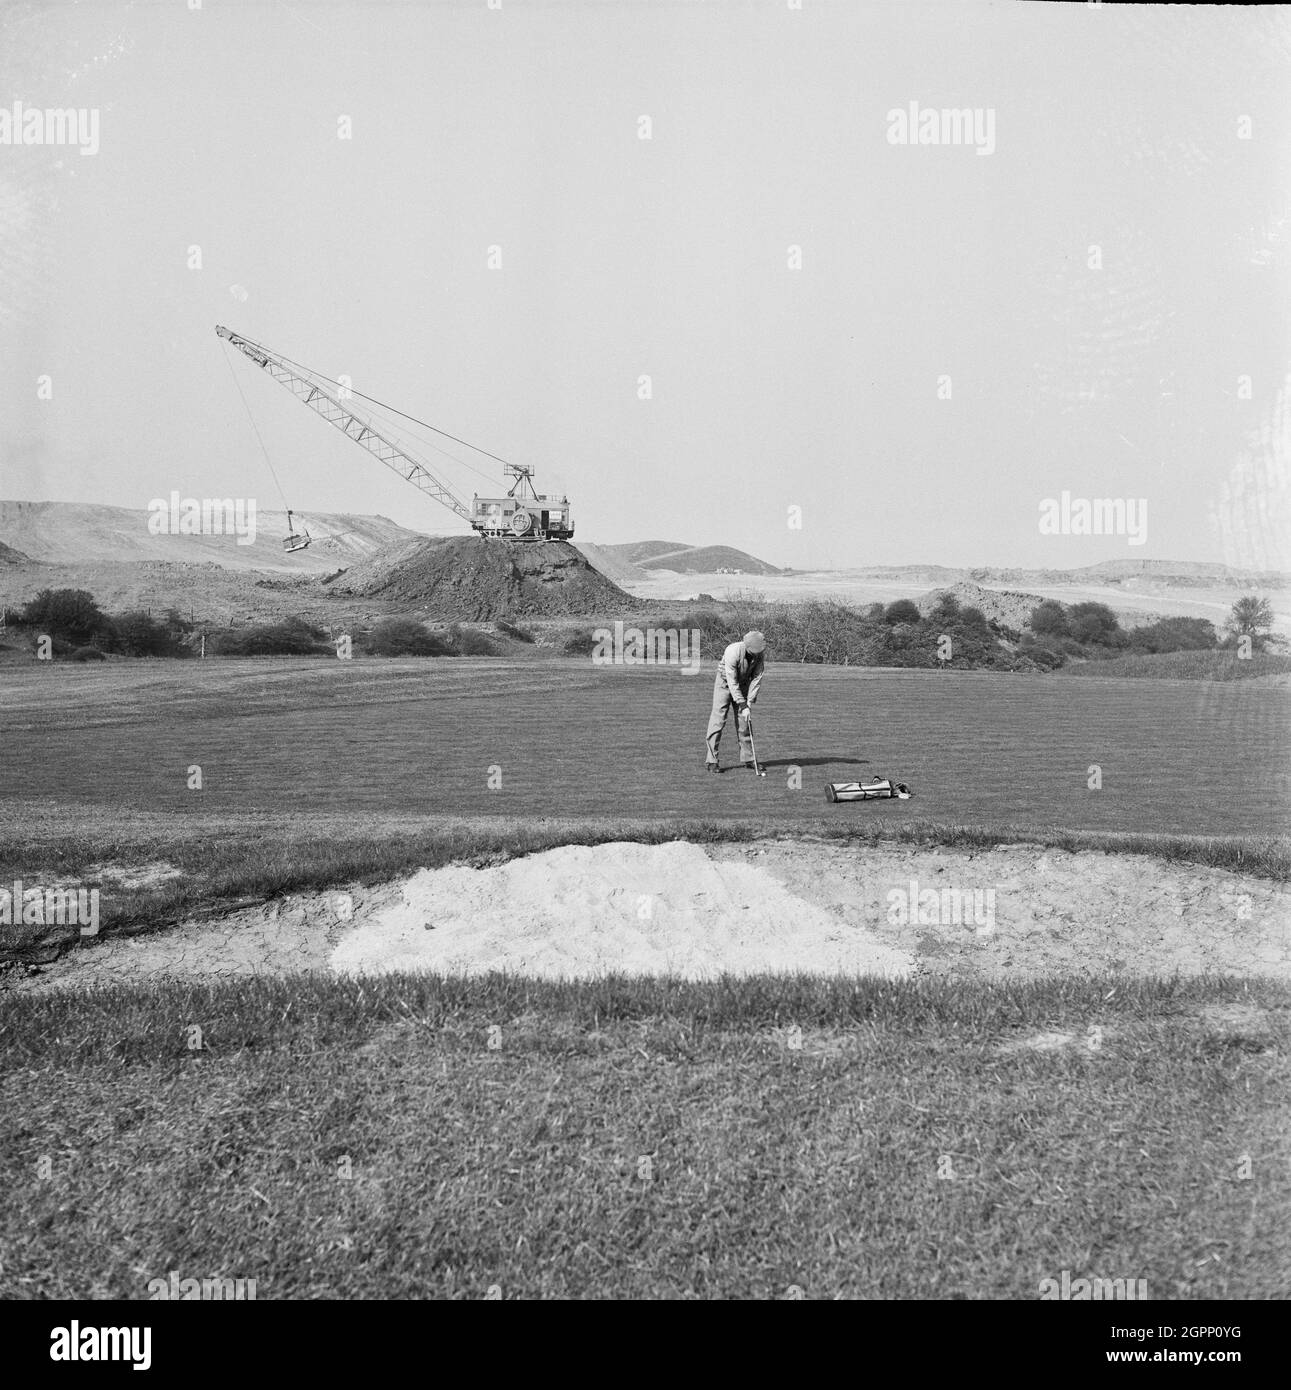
x=522 y=515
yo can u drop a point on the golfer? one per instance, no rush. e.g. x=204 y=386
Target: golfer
x=739 y=674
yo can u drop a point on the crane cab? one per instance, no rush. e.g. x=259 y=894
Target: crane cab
x=523 y=514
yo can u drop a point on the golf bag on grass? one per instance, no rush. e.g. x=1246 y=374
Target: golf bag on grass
x=878 y=789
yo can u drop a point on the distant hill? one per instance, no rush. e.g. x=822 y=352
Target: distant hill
x=87 y=533
x=685 y=559
x=917 y=574
x=616 y=567
x=9 y=556
x=1128 y=574
x=640 y=552
x=1200 y=574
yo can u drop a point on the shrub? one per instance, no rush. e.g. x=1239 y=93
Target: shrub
x=902 y=611
x=1049 y=619
x=176 y=621
x=824 y=630
x=469 y=642
x=290 y=637
x=1175 y=635
x=404 y=637
x=716 y=630
x=975 y=645
x=1096 y=623
x=829 y=631
x=87 y=654
x=140 y=634
x=581 y=643
x=1044 y=658
x=945 y=610
x=1046 y=652
x=1251 y=616
x=907 y=644
x=71 y=614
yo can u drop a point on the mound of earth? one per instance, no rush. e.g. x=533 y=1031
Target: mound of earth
x=999 y=605
x=475 y=580
x=10 y=556
x=1014 y=609
x=584 y=910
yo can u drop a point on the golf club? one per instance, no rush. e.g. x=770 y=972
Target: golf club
x=748 y=719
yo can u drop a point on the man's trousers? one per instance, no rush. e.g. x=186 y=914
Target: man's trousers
x=724 y=704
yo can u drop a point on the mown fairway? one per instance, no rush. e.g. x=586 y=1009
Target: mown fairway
x=567 y=739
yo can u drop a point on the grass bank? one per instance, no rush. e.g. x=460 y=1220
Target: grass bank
x=1197 y=666
x=419 y=1137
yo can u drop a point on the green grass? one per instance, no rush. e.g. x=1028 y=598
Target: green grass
x=770 y=1166
x=1197 y=666
x=558 y=737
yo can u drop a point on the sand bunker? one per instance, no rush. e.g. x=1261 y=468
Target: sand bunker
x=639 y=909
x=1007 y=913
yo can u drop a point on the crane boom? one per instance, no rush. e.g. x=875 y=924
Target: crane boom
x=330 y=408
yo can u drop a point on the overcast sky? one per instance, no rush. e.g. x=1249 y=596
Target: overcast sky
x=927 y=271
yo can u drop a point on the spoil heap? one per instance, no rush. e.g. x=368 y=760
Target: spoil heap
x=477 y=581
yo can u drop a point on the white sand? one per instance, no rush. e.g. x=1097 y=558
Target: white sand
x=639 y=909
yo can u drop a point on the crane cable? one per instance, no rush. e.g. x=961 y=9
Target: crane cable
x=322 y=376
x=396 y=431
x=285 y=504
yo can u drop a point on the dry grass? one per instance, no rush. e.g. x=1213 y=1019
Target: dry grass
x=645 y=1138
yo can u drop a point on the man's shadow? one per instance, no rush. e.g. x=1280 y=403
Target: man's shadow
x=809 y=762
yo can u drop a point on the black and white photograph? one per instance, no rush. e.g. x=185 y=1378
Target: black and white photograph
x=645 y=656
